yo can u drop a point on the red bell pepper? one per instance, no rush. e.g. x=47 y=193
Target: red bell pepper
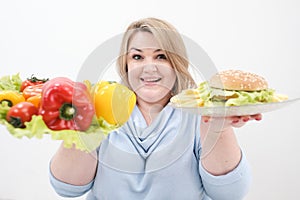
x=66 y=105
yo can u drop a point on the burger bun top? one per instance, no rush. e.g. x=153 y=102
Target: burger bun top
x=238 y=80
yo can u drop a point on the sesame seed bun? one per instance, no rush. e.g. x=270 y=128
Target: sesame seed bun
x=238 y=80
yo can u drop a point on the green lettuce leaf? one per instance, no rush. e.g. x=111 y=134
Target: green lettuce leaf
x=11 y=82
x=242 y=97
x=84 y=141
x=4 y=108
x=257 y=97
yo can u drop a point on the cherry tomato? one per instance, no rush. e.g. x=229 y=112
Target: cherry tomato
x=21 y=113
x=32 y=81
x=33 y=90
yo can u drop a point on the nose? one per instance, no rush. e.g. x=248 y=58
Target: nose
x=150 y=67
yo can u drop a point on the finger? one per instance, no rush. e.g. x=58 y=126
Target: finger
x=257 y=117
x=206 y=119
x=239 y=121
x=245 y=118
x=235 y=119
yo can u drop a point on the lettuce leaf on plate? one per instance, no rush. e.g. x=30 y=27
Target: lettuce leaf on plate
x=84 y=141
x=13 y=82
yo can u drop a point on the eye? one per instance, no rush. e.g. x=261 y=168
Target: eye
x=162 y=56
x=136 y=57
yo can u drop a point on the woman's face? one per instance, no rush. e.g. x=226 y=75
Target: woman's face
x=150 y=74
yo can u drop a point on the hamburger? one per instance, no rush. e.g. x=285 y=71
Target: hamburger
x=229 y=88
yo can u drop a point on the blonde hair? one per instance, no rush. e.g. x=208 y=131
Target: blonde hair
x=169 y=40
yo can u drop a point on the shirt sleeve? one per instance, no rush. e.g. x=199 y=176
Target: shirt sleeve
x=68 y=190
x=231 y=186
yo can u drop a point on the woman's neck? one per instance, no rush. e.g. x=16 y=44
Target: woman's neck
x=150 y=110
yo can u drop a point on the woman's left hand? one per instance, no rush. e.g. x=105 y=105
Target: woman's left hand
x=220 y=150
x=234 y=121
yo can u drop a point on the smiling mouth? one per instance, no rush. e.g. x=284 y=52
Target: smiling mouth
x=150 y=80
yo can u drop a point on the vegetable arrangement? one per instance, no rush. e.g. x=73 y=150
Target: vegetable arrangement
x=80 y=114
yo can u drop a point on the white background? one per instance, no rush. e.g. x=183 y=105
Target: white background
x=53 y=38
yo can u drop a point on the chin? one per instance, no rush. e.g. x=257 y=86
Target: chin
x=153 y=96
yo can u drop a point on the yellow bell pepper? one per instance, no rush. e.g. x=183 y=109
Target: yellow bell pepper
x=11 y=97
x=113 y=101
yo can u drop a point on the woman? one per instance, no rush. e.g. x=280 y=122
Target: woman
x=156 y=153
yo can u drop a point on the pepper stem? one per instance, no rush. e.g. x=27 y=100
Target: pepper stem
x=35 y=79
x=16 y=122
x=67 y=111
x=9 y=102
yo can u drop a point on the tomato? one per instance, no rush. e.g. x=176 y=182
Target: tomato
x=21 y=113
x=33 y=90
x=32 y=81
x=25 y=84
x=113 y=101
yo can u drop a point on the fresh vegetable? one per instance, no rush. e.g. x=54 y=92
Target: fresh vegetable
x=86 y=141
x=11 y=82
x=21 y=113
x=32 y=81
x=11 y=97
x=113 y=101
x=66 y=105
x=32 y=90
x=33 y=94
x=35 y=100
x=4 y=108
x=89 y=85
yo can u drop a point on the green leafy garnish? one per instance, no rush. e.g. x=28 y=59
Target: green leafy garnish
x=240 y=97
x=11 y=82
x=84 y=141
x=4 y=108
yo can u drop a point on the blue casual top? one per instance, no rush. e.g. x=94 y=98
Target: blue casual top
x=160 y=162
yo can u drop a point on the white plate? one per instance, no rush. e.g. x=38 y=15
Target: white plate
x=237 y=110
